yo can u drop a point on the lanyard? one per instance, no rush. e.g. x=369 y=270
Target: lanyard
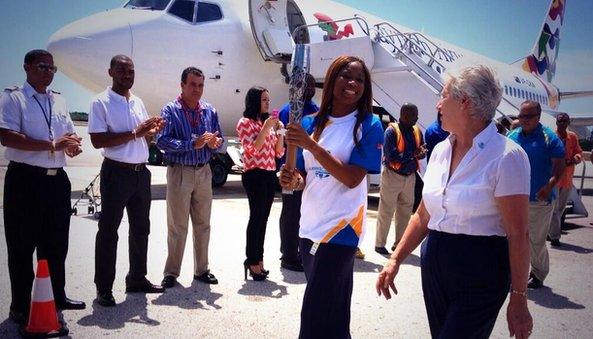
x=193 y=119
x=45 y=115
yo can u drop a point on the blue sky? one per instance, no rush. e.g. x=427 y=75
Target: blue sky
x=503 y=29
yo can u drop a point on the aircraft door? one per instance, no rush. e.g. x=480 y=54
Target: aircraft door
x=270 y=28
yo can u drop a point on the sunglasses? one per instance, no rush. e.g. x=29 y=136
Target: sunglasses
x=527 y=116
x=46 y=67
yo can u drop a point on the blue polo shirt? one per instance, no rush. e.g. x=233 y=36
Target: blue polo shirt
x=433 y=135
x=542 y=145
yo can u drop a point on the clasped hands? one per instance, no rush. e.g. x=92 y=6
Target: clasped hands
x=69 y=143
x=210 y=139
x=150 y=127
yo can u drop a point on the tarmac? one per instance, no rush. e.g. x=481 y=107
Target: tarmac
x=236 y=308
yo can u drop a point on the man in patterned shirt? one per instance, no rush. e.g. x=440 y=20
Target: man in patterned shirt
x=191 y=135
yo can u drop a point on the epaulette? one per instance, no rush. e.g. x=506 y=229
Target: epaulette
x=12 y=88
x=55 y=92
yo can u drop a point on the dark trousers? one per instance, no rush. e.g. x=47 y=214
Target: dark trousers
x=122 y=188
x=36 y=216
x=326 y=304
x=260 y=186
x=289 y=226
x=465 y=280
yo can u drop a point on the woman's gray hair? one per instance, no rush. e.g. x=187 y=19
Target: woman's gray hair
x=478 y=84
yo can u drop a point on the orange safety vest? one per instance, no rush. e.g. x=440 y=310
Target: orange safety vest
x=401 y=143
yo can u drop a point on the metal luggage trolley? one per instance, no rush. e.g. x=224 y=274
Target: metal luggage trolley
x=90 y=197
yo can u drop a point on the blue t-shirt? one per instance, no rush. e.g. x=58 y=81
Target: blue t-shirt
x=432 y=136
x=541 y=146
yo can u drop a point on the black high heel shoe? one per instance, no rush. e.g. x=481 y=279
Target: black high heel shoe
x=253 y=275
x=266 y=272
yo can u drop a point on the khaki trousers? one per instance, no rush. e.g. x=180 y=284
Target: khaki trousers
x=189 y=193
x=556 y=223
x=396 y=196
x=539 y=225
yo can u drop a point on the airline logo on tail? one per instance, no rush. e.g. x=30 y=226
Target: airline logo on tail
x=543 y=56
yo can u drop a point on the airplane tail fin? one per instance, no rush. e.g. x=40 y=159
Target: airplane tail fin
x=542 y=60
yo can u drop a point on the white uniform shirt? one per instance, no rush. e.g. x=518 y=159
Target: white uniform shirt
x=20 y=112
x=113 y=113
x=494 y=166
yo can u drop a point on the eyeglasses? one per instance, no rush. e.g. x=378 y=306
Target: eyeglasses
x=527 y=116
x=563 y=120
x=46 y=67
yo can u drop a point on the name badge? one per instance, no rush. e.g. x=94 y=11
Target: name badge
x=314 y=248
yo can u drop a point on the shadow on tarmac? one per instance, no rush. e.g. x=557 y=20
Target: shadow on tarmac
x=260 y=290
x=8 y=328
x=195 y=296
x=546 y=297
x=573 y=248
x=132 y=310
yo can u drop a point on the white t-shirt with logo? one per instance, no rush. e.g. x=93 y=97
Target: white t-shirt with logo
x=330 y=211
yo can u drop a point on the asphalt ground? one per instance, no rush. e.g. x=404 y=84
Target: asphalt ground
x=236 y=308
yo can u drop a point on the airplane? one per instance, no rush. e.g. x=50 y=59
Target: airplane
x=241 y=43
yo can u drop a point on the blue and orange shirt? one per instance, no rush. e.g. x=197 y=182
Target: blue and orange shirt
x=330 y=211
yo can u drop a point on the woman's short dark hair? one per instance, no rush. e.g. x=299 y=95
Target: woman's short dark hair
x=253 y=103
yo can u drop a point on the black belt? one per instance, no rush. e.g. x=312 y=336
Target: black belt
x=35 y=169
x=196 y=166
x=133 y=167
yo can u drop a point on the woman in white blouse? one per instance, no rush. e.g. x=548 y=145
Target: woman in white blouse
x=473 y=215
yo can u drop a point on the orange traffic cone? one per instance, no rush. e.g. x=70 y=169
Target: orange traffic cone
x=43 y=317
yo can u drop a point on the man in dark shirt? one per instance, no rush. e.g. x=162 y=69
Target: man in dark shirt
x=291 y=203
x=402 y=148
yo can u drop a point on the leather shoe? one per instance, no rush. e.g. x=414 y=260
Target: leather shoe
x=105 y=299
x=555 y=243
x=207 y=278
x=18 y=317
x=534 y=282
x=144 y=286
x=381 y=250
x=295 y=266
x=69 y=304
x=168 y=281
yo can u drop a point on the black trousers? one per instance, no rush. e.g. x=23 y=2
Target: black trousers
x=36 y=217
x=326 y=304
x=465 y=280
x=122 y=188
x=289 y=226
x=260 y=186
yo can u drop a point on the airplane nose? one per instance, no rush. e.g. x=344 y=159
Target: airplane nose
x=82 y=50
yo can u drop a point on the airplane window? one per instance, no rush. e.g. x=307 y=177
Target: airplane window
x=506 y=90
x=208 y=12
x=514 y=92
x=157 y=5
x=183 y=9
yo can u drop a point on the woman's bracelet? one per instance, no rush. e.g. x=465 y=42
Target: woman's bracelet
x=521 y=293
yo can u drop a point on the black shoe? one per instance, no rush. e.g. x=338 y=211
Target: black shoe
x=296 y=265
x=555 y=243
x=144 y=286
x=206 y=278
x=105 y=299
x=168 y=281
x=548 y=238
x=382 y=250
x=69 y=304
x=255 y=276
x=393 y=247
x=534 y=282
x=18 y=317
